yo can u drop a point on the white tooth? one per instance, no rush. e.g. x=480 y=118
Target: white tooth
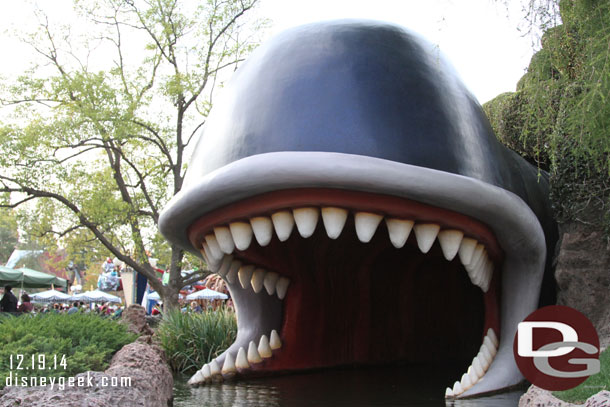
x=270 y=282
x=224 y=239
x=283 y=221
x=213 y=263
x=476 y=273
x=366 y=225
x=490 y=346
x=225 y=266
x=476 y=256
x=214 y=368
x=229 y=366
x=306 y=220
x=465 y=382
x=457 y=389
x=478 y=367
x=281 y=287
x=473 y=376
x=263 y=347
x=245 y=275
x=263 y=229
x=242 y=234
x=399 y=231
x=426 y=234
x=274 y=340
x=486 y=354
x=467 y=250
x=486 y=275
x=232 y=274
x=485 y=362
x=241 y=362
x=206 y=371
x=334 y=221
x=197 y=378
x=253 y=356
x=450 y=241
x=448 y=393
x=494 y=338
x=258 y=279
x=215 y=251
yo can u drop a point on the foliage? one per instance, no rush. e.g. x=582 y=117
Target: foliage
x=559 y=117
x=96 y=132
x=592 y=385
x=8 y=234
x=192 y=339
x=87 y=340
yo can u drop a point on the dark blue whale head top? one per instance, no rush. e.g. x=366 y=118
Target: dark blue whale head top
x=364 y=88
x=370 y=107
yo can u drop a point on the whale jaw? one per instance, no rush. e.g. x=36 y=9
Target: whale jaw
x=327 y=280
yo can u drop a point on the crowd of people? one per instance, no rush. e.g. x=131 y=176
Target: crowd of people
x=9 y=303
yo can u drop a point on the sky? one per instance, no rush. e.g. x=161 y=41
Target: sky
x=479 y=37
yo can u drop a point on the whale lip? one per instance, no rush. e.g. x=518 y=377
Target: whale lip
x=515 y=226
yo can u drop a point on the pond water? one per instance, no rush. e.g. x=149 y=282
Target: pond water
x=379 y=386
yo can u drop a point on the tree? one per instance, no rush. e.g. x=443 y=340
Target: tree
x=8 y=233
x=98 y=132
x=560 y=114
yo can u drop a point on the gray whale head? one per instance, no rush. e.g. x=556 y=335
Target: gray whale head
x=349 y=189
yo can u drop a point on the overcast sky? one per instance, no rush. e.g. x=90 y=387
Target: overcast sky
x=477 y=36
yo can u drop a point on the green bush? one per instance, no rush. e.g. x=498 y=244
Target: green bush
x=559 y=117
x=592 y=385
x=88 y=342
x=192 y=339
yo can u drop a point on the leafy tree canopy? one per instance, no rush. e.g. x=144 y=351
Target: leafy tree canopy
x=559 y=117
x=95 y=135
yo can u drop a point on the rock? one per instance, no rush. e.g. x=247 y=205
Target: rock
x=135 y=319
x=138 y=375
x=583 y=277
x=536 y=397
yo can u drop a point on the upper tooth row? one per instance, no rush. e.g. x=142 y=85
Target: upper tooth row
x=479 y=366
x=472 y=254
x=242 y=360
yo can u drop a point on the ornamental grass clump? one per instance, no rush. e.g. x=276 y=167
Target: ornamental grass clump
x=58 y=345
x=192 y=339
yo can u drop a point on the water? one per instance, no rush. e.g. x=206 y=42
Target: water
x=382 y=386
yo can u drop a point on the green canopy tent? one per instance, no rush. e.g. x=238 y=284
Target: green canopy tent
x=9 y=276
x=28 y=278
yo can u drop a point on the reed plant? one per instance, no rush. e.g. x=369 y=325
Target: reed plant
x=192 y=339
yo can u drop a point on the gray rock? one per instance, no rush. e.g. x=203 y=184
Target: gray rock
x=536 y=397
x=583 y=275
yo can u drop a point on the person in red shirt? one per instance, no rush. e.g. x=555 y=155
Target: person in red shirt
x=26 y=305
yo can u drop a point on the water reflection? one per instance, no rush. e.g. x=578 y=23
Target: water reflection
x=384 y=386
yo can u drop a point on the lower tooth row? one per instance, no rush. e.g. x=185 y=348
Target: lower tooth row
x=212 y=372
x=479 y=366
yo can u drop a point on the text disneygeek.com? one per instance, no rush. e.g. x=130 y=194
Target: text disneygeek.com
x=22 y=368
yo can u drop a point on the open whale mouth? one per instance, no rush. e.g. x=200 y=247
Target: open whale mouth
x=333 y=277
x=358 y=261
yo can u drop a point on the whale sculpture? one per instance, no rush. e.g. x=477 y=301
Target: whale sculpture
x=351 y=193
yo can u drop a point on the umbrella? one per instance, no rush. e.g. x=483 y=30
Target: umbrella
x=207 y=294
x=50 y=296
x=96 y=296
x=29 y=278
